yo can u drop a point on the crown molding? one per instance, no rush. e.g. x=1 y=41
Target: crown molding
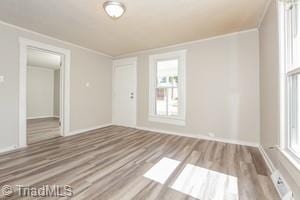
x=184 y=43
x=135 y=52
x=55 y=39
x=262 y=17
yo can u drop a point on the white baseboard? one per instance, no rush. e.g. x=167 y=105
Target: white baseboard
x=201 y=136
x=275 y=174
x=197 y=136
x=42 y=117
x=78 y=131
x=267 y=159
x=125 y=125
x=16 y=147
x=8 y=149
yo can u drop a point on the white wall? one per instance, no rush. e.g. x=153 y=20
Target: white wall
x=89 y=106
x=222 y=87
x=269 y=97
x=222 y=82
x=40 y=92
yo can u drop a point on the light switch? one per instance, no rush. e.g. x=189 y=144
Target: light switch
x=1 y=79
x=87 y=84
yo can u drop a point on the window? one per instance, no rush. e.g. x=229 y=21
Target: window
x=167 y=88
x=166 y=96
x=290 y=76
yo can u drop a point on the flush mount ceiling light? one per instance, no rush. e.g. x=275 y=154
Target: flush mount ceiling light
x=114 y=9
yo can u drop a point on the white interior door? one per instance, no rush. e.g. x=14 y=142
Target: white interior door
x=124 y=93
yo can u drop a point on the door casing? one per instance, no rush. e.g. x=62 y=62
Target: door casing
x=64 y=84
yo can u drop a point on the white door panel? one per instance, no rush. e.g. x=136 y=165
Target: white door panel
x=124 y=108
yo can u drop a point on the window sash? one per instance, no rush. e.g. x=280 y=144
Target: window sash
x=292 y=107
x=167 y=102
x=291 y=44
x=291 y=39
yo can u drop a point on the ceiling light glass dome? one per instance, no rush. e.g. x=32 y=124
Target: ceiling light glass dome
x=114 y=9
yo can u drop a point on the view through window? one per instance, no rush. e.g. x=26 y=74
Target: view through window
x=167 y=88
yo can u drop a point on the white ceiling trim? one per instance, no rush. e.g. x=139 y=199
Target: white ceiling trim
x=185 y=43
x=55 y=39
x=261 y=19
x=87 y=24
x=137 y=52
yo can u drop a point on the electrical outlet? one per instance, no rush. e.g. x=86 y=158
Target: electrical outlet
x=281 y=186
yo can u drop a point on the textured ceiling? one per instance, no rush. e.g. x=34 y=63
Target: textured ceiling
x=146 y=24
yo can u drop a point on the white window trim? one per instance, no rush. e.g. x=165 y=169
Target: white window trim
x=175 y=120
x=283 y=91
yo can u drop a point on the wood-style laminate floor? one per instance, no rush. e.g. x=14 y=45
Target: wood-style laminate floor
x=42 y=129
x=124 y=163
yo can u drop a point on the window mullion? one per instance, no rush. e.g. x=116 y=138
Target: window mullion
x=293 y=110
x=155 y=99
x=167 y=102
x=296 y=108
x=292 y=24
x=156 y=89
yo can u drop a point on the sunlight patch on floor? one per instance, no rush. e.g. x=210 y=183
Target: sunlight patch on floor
x=203 y=183
x=161 y=171
x=196 y=181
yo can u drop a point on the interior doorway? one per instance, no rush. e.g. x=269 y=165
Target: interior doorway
x=44 y=92
x=43 y=95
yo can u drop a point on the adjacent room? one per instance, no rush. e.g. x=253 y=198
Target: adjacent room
x=150 y=99
x=43 y=95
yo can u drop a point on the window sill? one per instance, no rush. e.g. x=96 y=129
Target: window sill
x=167 y=120
x=293 y=159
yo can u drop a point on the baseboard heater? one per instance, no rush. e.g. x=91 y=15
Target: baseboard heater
x=281 y=186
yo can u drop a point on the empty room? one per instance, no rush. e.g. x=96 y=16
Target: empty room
x=150 y=99
x=43 y=99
